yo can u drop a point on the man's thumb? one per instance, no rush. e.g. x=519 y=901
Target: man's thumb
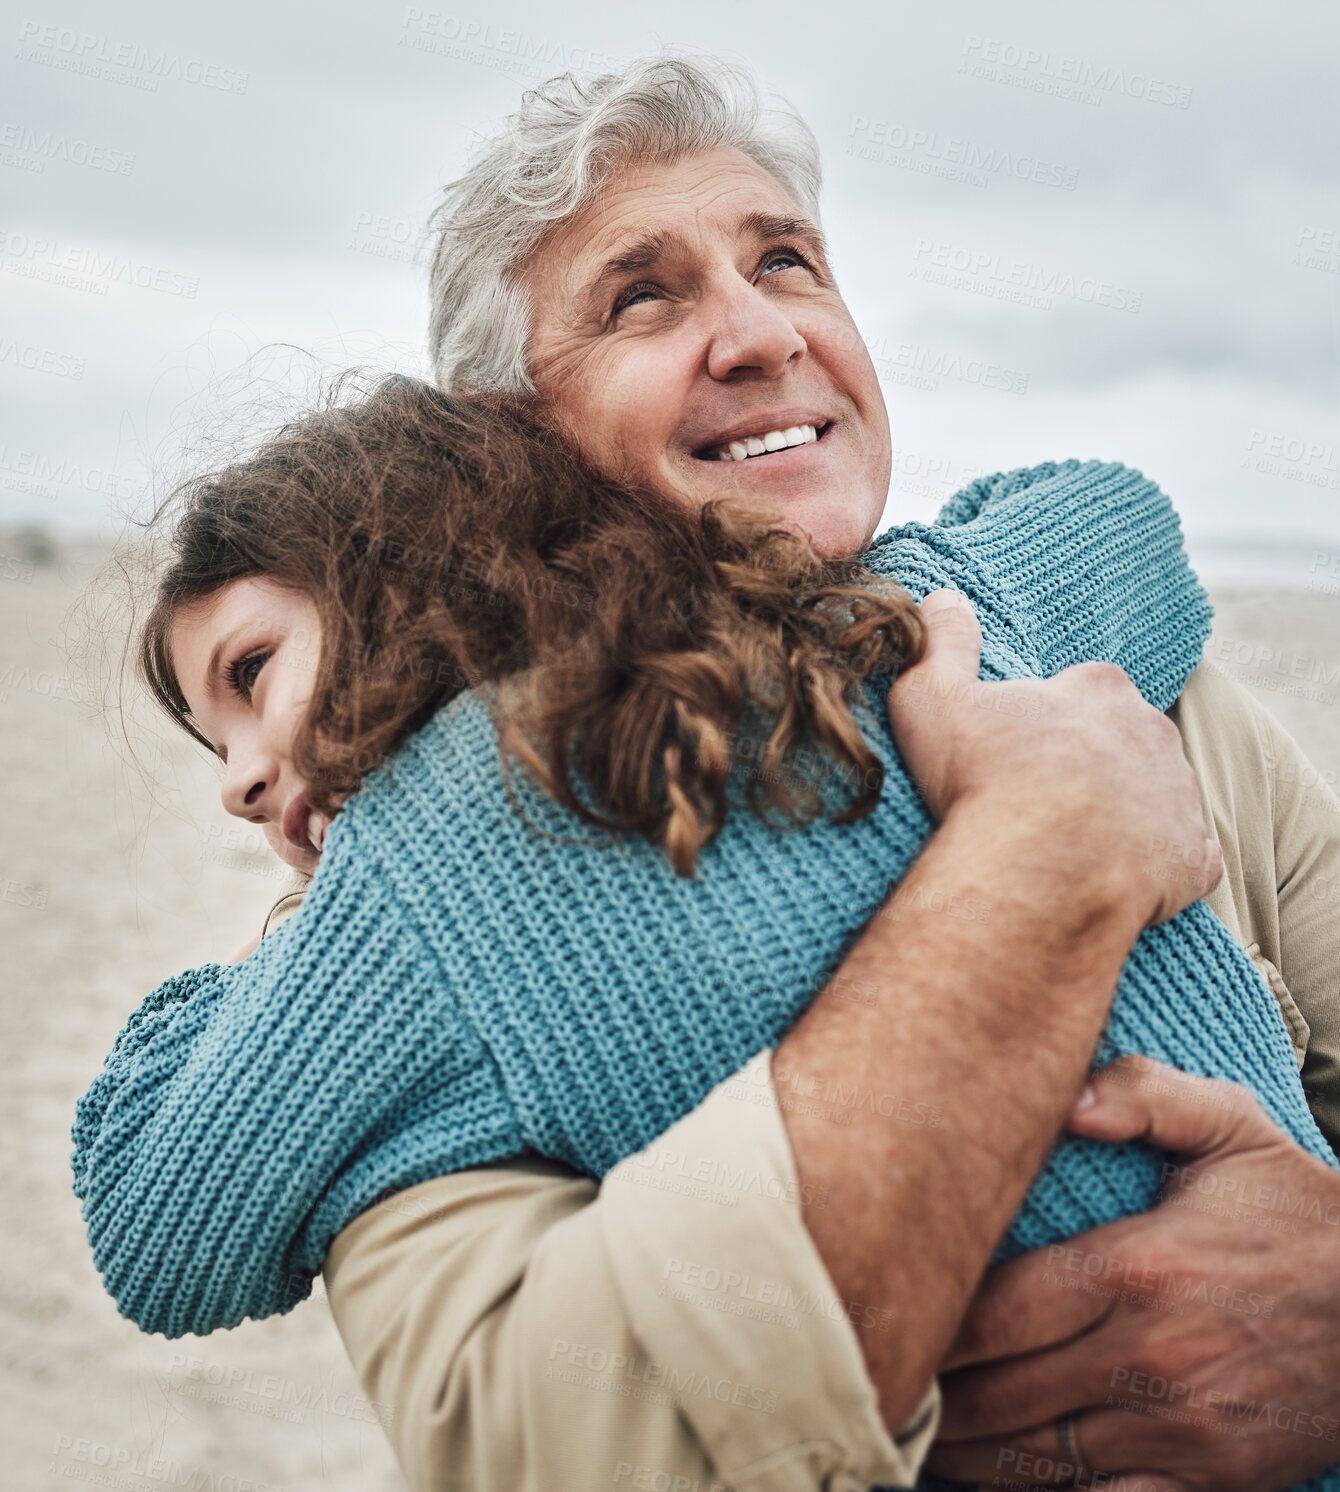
x=953 y=638
x=1136 y=1098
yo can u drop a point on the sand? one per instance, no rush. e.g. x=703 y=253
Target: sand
x=109 y=885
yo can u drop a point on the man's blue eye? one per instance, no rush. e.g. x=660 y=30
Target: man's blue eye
x=794 y=258
x=634 y=293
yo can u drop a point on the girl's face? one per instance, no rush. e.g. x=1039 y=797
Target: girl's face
x=246 y=658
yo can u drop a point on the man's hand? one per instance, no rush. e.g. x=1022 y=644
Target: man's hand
x=1081 y=751
x=1194 y=1347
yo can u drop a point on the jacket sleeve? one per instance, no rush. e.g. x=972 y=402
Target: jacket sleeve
x=246 y=1113
x=520 y=1327
x=1306 y=817
x=1090 y=559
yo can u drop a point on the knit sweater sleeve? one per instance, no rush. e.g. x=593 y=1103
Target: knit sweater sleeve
x=1088 y=556
x=246 y=1113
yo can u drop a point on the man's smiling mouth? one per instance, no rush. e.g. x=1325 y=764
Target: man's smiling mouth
x=762 y=443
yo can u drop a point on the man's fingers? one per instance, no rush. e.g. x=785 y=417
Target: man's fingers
x=1138 y=1098
x=1003 y=1398
x=953 y=640
x=1023 y=1306
x=1111 y=1447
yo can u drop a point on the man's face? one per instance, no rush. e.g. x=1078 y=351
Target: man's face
x=687 y=316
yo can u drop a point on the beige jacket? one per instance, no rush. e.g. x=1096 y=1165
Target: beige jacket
x=674 y=1328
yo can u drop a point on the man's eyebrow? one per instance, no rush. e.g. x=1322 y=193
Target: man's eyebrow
x=643 y=252
x=769 y=225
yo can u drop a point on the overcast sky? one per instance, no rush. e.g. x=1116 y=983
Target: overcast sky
x=1131 y=215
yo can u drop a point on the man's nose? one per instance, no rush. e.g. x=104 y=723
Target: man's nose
x=248 y=783
x=751 y=331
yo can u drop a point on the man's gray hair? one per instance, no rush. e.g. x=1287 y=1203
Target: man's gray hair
x=549 y=163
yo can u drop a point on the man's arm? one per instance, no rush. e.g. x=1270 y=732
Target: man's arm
x=990 y=973
x=684 y=1314
x=517 y=1327
x=1279 y=823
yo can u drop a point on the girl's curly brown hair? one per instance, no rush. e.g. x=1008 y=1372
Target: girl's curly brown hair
x=642 y=649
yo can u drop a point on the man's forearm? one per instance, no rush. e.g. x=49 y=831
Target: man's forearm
x=973 y=1022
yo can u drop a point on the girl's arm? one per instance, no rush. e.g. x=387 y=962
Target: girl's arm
x=247 y=1113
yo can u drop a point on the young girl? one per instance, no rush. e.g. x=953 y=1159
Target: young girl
x=395 y=600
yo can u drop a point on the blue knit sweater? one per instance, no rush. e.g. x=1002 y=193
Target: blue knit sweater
x=458 y=987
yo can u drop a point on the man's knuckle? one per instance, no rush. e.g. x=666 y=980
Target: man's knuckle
x=1105 y=675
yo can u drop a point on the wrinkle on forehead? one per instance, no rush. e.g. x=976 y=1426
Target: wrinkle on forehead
x=575 y=261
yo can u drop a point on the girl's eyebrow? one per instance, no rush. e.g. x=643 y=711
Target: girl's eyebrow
x=212 y=668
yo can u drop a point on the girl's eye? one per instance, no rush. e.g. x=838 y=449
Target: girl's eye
x=242 y=672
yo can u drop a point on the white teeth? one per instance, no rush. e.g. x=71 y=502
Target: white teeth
x=758 y=445
x=316 y=831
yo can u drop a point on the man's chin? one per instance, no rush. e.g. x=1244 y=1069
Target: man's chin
x=833 y=535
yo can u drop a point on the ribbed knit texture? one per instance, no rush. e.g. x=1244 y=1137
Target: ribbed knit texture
x=458 y=987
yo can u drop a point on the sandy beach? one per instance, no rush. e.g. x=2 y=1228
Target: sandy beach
x=115 y=875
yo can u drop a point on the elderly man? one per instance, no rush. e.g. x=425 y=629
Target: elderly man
x=764 y=1297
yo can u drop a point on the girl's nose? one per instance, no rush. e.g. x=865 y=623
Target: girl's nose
x=247 y=784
